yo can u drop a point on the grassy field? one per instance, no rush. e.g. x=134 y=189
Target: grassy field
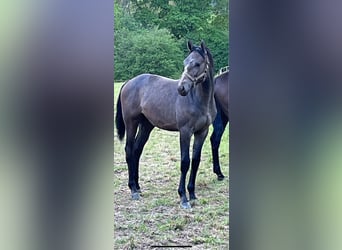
x=157 y=219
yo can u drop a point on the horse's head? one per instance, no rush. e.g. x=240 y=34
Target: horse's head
x=196 y=68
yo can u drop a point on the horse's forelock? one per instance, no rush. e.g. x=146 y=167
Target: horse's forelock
x=198 y=50
x=202 y=53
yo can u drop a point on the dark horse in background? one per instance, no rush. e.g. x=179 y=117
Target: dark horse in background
x=222 y=118
x=186 y=105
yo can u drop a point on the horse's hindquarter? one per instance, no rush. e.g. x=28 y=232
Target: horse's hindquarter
x=130 y=100
x=222 y=91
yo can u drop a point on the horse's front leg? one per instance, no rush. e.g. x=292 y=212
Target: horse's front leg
x=196 y=158
x=185 y=163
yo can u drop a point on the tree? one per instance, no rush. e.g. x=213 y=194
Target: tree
x=137 y=23
x=189 y=20
x=147 y=51
x=123 y=20
x=179 y=16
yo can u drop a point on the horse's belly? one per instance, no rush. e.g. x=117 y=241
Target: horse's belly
x=161 y=120
x=165 y=124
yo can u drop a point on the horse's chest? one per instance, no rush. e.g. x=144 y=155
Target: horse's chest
x=203 y=121
x=194 y=115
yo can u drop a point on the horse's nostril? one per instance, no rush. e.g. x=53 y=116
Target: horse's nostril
x=181 y=90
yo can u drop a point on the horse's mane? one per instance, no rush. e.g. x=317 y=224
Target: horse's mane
x=210 y=56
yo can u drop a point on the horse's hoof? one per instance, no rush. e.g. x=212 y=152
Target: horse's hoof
x=185 y=205
x=135 y=196
x=220 y=177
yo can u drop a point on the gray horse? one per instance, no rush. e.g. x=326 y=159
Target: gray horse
x=186 y=105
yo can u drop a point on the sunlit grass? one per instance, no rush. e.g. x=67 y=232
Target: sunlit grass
x=157 y=219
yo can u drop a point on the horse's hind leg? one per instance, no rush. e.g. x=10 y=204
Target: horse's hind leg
x=145 y=128
x=196 y=158
x=131 y=129
x=219 y=125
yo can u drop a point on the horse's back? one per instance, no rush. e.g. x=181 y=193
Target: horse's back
x=144 y=81
x=150 y=86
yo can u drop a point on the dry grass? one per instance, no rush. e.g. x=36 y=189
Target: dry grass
x=157 y=219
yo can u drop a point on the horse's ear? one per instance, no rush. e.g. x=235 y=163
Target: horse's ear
x=203 y=47
x=190 y=45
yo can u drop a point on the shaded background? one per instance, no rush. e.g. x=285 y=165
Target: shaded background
x=151 y=36
x=56 y=125
x=285 y=129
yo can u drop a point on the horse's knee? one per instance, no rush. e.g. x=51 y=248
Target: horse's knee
x=185 y=163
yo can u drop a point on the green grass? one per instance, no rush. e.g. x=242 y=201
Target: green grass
x=157 y=219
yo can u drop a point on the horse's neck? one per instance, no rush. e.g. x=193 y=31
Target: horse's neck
x=205 y=92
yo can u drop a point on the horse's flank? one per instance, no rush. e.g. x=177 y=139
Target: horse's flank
x=222 y=91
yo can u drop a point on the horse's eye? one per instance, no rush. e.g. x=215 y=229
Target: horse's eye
x=197 y=64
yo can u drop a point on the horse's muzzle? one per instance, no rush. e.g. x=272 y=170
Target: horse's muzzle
x=184 y=89
x=181 y=91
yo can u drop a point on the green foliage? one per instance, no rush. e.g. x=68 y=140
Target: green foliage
x=181 y=17
x=123 y=21
x=217 y=41
x=147 y=51
x=151 y=36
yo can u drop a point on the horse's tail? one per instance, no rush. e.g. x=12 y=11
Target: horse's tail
x=119 y=122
